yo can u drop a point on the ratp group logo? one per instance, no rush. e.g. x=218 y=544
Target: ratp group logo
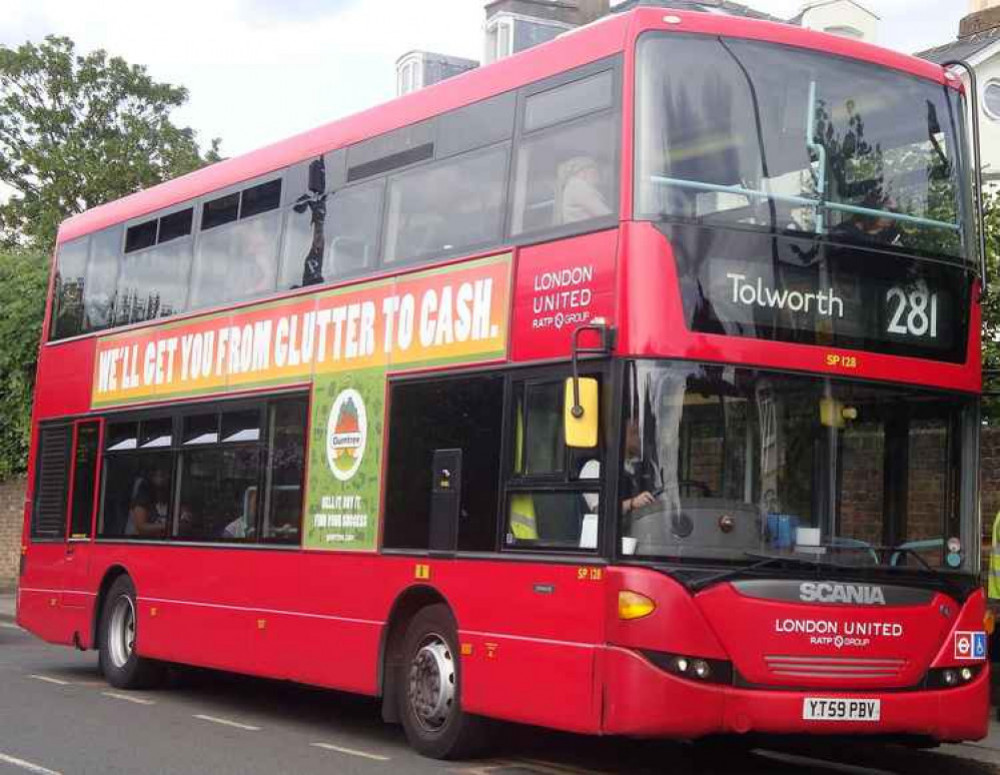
x=346 y=434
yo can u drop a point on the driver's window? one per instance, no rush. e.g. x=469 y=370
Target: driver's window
x=553 y=492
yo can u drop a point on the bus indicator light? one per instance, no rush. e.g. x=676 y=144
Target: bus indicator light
x=422 y=571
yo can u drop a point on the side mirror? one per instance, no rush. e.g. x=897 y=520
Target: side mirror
x=580 y=426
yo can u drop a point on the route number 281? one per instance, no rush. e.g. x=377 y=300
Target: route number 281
x=913 y=313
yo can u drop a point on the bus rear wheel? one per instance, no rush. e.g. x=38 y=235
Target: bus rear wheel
x=122 y=666
x=430 y=689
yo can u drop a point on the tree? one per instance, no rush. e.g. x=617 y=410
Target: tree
x=991 y=307
x=23 y=279
x=77 y=131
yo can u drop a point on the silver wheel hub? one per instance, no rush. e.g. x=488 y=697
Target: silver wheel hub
x=121 y=631
x=432 y=683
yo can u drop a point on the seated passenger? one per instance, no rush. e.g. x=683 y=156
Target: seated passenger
x=149 y=505
x=578 y=193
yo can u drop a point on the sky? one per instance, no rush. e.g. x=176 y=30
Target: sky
x=261 y=70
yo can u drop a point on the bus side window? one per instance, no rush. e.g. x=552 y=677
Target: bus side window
x=67 y=306
x=453 y=205
x=466 y=414
x=565 y=172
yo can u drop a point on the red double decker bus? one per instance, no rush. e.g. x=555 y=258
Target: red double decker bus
x=626 y=386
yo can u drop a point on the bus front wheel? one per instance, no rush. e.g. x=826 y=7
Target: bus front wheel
x=121 y=664
x=430 y=689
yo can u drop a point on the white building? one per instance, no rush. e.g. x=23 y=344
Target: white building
x=978 y=43
x=847 y=18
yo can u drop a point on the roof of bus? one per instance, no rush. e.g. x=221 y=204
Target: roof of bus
x=595 y=41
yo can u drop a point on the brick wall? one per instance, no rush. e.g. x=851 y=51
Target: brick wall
x=11 y=517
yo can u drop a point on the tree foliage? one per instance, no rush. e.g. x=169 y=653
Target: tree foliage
x=23 y=276
x=80 y=130
x=991 y=307
x=76 y=131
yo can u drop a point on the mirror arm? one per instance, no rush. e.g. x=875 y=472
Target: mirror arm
x=606 y=334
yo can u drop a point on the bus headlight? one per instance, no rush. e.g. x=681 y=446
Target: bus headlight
x=713 y=671
x=951 y=677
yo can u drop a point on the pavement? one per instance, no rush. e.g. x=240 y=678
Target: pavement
x=57 y=668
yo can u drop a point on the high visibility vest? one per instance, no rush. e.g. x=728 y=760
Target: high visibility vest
x=521 y=522
x=993 y=585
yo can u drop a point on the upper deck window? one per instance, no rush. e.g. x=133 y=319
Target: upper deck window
x=750 y=134
x=569 y=101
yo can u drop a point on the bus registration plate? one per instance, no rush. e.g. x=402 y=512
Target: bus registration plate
x=835 y=709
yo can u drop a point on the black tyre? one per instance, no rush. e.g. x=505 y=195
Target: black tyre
x=429 y=689
x=121 y=664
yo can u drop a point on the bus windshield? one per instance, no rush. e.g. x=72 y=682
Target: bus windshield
x=742 y=133
x=723 y=462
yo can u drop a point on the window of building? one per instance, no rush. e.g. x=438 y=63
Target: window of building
x=48 y=511
x=427 y=416
x=553 y=493
x=447 y=207
x=84 y=479
x=410 y=75
x=991 y=99
x=499 y=38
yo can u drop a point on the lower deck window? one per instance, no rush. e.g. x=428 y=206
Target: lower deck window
x=234 y=475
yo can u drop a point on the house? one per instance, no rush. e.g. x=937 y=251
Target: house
x=515 y=25
x=978 y=43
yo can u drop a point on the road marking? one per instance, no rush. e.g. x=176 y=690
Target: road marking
x=353 y=752
x=127 y=698
x=560 y=767
x=815 y=764
x=47 y=679
x=227 y=723
x=9 y=626
x=36 y=768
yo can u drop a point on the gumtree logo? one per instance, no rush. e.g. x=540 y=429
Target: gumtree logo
x=346 y=434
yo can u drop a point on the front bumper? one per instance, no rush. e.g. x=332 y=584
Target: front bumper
x=644 y=701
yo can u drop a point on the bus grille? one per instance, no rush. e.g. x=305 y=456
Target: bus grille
x=834 y=667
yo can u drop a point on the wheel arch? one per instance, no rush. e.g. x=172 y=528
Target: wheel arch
x=406 y=605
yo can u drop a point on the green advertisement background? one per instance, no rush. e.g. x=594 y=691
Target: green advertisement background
x=370 y=383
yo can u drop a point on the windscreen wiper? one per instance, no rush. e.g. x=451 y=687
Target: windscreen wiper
x=763 y=561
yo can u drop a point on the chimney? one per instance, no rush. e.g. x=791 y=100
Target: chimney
x=980 y=21
x=591 y=10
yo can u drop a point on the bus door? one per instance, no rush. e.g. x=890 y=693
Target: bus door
x=53 y=582
x=80 y=514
